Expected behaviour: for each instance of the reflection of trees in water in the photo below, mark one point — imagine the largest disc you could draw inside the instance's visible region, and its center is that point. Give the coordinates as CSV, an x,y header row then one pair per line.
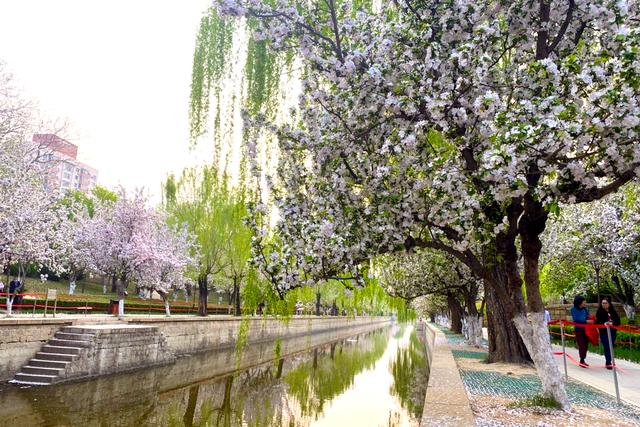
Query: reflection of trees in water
x,y
315,382
410,375
286,393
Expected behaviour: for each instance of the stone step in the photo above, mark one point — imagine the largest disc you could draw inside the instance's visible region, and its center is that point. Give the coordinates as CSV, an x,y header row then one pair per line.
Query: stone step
x,y
48,363
39,370
76,337
26,383
68,343
58,357
32,378
77,330
60,349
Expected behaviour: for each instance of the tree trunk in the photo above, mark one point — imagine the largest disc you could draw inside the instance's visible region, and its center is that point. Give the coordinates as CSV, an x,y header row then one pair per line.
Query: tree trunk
x,y
630,312
114,284
203,293
236,298
473,334
317,303
505,343
121,288
456,312
165,299
534,331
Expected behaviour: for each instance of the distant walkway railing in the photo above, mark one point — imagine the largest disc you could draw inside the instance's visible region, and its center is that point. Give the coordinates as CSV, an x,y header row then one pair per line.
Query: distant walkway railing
x,y
35,302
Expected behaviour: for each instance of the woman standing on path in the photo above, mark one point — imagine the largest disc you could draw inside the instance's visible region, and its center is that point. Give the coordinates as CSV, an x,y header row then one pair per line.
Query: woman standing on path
x,y
580,313
606,314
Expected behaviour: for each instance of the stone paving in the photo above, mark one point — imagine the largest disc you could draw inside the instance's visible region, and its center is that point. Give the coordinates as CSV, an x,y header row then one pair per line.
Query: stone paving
x,y
484,382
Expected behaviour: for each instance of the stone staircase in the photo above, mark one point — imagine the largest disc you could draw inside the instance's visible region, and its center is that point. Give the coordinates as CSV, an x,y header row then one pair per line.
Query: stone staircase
x,y
50,363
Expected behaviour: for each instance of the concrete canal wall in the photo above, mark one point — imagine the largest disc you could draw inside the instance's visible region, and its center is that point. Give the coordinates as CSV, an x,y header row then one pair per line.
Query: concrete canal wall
x,y
446,402
21,339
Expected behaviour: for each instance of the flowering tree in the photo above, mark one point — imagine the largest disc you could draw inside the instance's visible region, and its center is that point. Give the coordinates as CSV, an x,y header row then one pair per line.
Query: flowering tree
x,y
451,125
606,235
27,214
162,257
428,272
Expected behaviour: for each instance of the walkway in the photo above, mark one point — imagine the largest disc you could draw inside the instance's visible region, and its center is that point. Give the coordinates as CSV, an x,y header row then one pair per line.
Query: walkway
x,y
497,390
602,379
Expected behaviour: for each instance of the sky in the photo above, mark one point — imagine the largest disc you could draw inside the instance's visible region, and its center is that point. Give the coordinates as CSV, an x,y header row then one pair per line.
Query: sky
x,y
118,72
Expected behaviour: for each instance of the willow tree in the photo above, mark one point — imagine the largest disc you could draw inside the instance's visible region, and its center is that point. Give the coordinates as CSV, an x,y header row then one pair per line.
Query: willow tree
x,y
198,200
451,125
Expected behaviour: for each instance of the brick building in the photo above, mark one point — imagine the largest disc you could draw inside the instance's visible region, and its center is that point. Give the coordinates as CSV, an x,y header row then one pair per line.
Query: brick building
x,y
65,173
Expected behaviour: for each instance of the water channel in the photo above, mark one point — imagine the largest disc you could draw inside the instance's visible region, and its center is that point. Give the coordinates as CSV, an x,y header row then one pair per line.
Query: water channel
x,y
373,379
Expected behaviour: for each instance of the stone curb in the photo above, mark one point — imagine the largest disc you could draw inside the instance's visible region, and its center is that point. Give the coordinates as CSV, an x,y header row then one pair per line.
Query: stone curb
x,y
446,402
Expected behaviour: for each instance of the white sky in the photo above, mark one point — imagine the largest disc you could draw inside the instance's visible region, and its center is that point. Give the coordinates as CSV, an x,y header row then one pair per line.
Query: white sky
x,y
118,72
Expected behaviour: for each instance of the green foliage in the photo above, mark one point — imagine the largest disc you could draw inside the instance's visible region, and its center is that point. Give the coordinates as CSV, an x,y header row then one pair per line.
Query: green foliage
x,y
104,195
78,197
539,401
241,340
563,276
213,45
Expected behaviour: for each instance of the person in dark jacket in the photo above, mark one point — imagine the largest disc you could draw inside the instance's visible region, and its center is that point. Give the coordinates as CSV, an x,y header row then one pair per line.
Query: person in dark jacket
x,y
580,314
607,315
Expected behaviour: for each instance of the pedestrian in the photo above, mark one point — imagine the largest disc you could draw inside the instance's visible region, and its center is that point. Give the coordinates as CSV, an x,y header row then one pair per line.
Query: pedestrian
x,y
607,315
1,286
580,314
547,316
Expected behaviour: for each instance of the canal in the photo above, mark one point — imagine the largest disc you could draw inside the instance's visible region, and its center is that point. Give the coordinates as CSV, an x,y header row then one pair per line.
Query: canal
x,y
373,379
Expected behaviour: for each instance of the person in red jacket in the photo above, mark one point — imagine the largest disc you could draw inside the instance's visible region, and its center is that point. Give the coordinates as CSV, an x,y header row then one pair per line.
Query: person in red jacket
x,y
607,315
580,314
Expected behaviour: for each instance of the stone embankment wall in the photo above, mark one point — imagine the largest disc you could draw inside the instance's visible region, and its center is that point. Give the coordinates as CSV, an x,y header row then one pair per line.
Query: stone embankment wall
x,y
193,335
118,348
446,403
20,339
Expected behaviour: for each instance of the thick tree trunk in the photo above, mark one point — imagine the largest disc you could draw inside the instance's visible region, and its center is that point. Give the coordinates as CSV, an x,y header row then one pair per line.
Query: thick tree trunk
x,y
114,284
456,312
505,343
203,293
534,330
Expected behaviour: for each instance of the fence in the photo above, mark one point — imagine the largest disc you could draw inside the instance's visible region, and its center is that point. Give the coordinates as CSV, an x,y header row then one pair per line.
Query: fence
x,y
35,302
630,332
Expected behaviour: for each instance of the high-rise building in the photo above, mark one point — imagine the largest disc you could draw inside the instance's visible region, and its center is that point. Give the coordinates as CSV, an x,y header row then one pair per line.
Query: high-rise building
x,y
64,172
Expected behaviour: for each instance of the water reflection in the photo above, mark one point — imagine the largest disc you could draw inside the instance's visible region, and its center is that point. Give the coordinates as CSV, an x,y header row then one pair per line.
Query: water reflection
x,y
378,378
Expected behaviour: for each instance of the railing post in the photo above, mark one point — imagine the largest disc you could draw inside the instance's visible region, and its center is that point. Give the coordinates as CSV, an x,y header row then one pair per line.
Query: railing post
x,y
34,307
613,362
564,351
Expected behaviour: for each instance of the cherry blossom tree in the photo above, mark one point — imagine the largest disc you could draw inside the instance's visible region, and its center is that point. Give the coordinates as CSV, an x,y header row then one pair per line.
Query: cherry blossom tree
x,y
27,215
162,258
449,125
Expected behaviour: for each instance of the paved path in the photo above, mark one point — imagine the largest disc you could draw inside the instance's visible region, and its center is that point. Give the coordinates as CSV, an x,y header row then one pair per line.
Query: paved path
x,y
602,379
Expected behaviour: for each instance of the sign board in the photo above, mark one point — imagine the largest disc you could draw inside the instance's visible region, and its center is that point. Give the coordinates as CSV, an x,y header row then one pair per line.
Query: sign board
x,y
52,294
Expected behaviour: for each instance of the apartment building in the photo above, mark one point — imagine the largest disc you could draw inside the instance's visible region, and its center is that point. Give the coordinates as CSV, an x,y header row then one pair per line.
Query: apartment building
x,y
64,172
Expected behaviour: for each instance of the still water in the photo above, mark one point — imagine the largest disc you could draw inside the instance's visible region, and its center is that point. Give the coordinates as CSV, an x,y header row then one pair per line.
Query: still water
x,y
374,379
